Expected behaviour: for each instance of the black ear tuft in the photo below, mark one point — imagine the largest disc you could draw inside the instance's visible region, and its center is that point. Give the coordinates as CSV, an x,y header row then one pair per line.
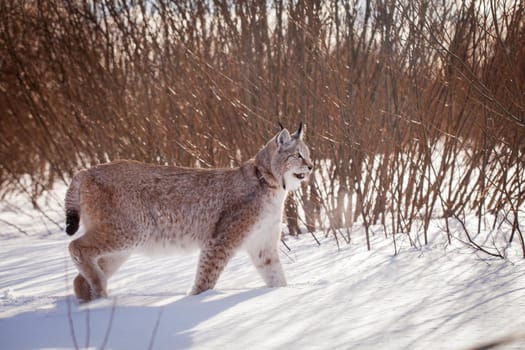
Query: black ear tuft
x,y
298,135
280,125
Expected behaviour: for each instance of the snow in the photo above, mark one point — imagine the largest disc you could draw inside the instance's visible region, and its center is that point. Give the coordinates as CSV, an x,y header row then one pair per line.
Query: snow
x,y
439,296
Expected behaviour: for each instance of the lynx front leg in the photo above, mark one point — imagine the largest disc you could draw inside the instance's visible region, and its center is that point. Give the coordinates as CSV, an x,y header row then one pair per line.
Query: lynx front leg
x,y
267,262
212,260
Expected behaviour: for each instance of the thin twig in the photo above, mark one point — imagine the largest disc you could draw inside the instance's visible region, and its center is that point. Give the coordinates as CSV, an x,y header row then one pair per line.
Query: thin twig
x,y
68,306
474,244
155,329
18,228
110,324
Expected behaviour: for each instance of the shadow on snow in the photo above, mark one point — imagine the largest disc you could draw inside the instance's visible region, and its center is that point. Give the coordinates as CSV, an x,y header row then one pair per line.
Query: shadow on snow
x,y
111,325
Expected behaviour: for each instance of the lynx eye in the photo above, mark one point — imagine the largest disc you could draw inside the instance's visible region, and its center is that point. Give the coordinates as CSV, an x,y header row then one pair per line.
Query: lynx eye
x,y
295,155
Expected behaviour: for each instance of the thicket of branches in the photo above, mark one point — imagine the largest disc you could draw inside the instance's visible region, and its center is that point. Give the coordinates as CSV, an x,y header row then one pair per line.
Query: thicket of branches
x,y
414,108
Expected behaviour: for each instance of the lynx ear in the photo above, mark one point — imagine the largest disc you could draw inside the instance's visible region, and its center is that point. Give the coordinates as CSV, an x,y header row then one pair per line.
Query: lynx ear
x,y
283,137
298,135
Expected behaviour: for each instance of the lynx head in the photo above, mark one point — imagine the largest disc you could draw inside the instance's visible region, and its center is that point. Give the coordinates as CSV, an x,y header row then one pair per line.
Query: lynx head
x,y
287,158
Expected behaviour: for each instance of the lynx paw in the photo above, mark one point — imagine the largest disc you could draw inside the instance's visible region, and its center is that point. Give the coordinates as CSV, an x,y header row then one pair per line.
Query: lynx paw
x,y
84,292
82,288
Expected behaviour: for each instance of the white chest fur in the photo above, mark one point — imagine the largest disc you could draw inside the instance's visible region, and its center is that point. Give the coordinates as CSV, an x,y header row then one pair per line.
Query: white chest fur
x,y
266,230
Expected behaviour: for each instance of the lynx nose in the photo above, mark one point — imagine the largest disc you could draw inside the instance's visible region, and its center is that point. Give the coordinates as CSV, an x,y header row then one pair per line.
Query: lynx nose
x,y
310,165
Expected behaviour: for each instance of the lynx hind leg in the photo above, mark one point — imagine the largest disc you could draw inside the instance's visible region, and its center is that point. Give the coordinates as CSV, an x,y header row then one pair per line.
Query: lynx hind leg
x,y
268,264
212,261
109,265
85,256
96,264
112,262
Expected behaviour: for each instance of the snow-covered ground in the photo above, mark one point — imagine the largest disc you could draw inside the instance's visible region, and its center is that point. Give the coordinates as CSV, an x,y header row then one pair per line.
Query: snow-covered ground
x,y
438,297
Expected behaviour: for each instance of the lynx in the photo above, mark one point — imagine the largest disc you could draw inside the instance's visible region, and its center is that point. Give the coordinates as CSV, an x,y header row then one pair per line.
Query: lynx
x,y
128,206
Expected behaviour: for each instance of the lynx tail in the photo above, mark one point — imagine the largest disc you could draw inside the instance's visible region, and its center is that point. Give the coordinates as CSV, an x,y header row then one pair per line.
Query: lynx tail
x,y
73,205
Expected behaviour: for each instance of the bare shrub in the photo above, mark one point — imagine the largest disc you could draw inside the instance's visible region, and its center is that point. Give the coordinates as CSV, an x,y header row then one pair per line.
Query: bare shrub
x,y
415,108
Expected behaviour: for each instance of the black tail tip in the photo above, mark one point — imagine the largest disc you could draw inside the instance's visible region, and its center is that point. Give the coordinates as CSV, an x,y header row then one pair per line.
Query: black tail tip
x,y
72,220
